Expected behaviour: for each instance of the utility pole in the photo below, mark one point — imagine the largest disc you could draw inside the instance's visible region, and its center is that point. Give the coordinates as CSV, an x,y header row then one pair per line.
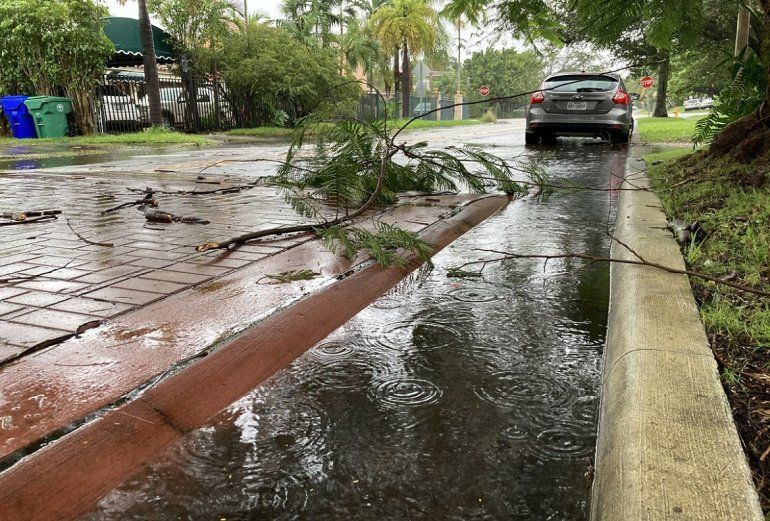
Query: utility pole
x,y
458,95
458,55
742,31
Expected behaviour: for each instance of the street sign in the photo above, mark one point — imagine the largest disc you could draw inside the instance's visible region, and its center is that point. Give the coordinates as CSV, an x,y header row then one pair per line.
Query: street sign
x,y
422,88
484,90
647,82
421,71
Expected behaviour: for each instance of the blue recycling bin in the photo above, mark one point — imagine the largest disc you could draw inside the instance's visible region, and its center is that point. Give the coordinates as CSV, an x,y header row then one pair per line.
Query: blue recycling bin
x,y
22,124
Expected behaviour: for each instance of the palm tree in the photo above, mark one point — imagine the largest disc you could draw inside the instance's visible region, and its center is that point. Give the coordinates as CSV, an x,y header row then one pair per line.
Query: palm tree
x,y
311,21
408,25
358,47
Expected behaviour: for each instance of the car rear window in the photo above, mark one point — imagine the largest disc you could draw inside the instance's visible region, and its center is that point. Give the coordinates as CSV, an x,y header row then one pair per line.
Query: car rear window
x,y
577,83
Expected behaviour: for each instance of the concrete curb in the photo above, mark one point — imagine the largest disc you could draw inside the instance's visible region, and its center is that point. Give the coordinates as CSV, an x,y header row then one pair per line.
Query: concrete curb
x,y
668,448
66,478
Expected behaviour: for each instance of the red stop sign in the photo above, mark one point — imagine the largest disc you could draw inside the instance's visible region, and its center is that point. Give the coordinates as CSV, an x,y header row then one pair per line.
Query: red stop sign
x,y
484,90
647,82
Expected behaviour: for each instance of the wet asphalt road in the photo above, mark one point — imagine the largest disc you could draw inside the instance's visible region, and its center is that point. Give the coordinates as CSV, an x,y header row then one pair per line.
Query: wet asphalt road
x,y
445,399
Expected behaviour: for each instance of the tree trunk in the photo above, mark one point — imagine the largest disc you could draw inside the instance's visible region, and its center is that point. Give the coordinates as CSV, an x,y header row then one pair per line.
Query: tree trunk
x,y
152,85
406,76
660,99
396,74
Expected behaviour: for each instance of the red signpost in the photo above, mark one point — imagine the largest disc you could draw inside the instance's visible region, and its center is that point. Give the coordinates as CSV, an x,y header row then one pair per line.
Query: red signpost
x,y
646,82
484,90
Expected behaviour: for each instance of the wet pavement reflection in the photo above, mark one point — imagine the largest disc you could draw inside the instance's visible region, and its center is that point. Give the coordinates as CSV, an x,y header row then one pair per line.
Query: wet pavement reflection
x,y
445,399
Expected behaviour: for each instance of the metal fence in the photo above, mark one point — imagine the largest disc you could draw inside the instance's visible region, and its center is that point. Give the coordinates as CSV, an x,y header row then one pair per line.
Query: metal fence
x,y
121,105
370,107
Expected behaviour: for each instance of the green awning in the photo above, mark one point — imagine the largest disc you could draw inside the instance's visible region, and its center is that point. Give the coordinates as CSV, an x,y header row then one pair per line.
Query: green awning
x,y
124,34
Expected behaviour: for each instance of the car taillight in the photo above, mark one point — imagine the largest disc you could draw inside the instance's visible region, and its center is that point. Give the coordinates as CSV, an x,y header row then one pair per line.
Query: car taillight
x,y
621,97
537,97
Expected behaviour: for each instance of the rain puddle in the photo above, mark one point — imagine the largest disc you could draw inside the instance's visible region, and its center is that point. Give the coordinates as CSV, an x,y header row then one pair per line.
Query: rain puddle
x,y
445,399
24,157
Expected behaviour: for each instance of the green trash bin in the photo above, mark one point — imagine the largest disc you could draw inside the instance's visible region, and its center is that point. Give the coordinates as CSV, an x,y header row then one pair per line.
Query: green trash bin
x,y
49,114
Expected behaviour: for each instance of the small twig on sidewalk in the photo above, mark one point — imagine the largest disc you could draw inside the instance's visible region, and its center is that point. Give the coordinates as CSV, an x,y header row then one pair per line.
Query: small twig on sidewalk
x,y
149,200
30,221
22,216
105,244
596,258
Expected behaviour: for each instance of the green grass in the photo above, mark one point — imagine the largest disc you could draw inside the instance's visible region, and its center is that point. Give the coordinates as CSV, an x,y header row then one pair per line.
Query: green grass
x,y
262,132
653,159
394,123
427,123
666,130
732,203
155,136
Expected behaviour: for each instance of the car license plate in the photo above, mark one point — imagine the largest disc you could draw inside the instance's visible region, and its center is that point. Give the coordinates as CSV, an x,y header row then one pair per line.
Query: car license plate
x,y
577,105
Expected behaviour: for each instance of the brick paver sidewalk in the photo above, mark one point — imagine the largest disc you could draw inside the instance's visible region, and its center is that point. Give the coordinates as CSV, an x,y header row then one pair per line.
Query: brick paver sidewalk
x,y
147,262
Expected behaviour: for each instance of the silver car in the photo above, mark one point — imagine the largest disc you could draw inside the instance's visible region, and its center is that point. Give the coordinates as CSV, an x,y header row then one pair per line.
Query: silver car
x,y
580,104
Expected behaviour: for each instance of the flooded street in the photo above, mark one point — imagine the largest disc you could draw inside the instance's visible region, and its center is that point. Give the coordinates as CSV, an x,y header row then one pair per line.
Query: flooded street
x,y
448,398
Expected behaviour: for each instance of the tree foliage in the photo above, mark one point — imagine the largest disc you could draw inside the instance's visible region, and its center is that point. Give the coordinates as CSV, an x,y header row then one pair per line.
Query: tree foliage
x,y
411,26
529,19
284,80
198,28
742,96
52,48
410,22
505,72
312,21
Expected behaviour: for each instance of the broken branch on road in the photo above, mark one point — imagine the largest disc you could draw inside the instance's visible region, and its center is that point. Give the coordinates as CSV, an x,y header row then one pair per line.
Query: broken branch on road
x,y
505,255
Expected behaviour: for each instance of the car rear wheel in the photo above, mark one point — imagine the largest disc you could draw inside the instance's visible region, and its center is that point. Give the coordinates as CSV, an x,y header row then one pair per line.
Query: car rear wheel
x,y
620,138
549,138
531,138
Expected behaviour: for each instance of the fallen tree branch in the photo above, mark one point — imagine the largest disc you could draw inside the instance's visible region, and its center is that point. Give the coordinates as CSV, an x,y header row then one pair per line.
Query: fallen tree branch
x,y
105,244
240,239
218,191
596,258
315,226
160,216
